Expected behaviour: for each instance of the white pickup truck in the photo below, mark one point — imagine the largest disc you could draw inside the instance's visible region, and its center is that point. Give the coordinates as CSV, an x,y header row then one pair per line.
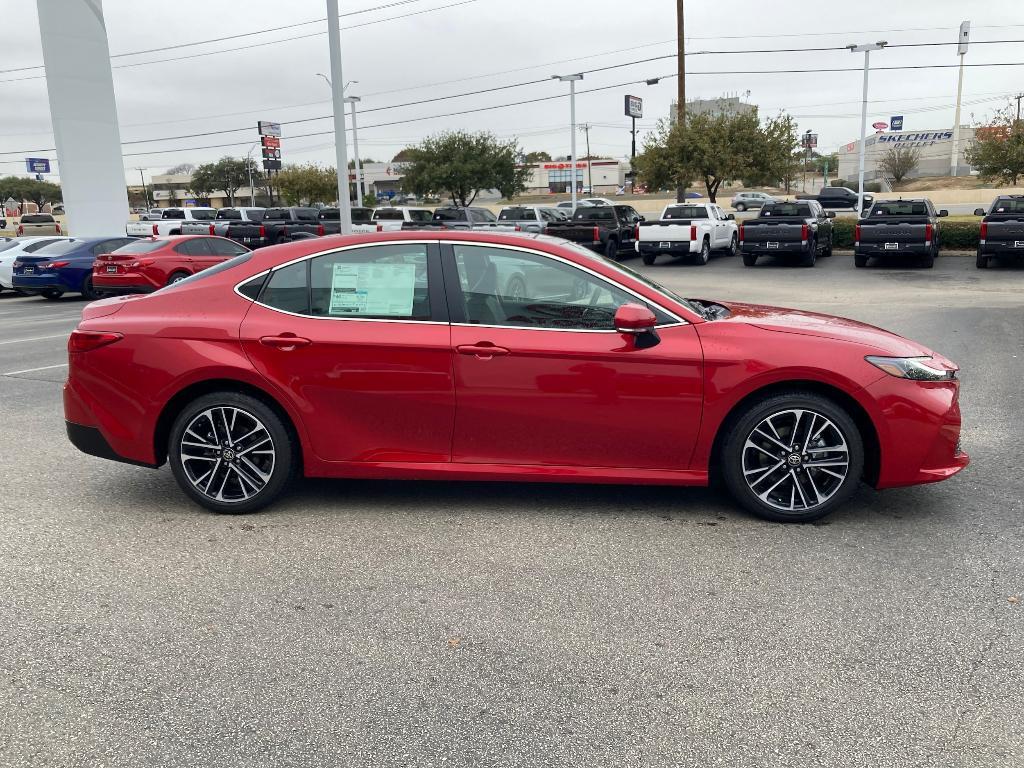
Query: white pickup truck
x,y
393,218
686,229
219,225
170,223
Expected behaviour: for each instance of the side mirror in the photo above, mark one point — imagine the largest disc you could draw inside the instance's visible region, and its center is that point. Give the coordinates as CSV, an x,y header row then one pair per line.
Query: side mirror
x,y
979,211
830,214
731,217
634,319
641,218
943,212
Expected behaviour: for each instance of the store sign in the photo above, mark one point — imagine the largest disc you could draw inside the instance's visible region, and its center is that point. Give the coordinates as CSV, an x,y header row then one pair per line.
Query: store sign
x,y
809,140
634,107
896,123
925,139
273,142
879,126
37,165
561,166
266,128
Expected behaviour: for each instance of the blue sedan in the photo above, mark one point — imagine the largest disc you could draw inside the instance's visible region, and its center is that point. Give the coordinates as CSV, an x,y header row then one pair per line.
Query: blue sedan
x,y
64,266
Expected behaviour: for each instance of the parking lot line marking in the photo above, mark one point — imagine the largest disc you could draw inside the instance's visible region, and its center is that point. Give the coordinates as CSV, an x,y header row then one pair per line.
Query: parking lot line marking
x,y
48,320
33,370
34,338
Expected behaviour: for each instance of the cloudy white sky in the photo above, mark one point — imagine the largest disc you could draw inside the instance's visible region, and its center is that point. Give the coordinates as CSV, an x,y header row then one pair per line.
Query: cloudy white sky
x,y
451,47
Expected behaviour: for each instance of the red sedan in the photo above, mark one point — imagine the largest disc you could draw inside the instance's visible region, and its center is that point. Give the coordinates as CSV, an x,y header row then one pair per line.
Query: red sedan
x,y
151,263
407,355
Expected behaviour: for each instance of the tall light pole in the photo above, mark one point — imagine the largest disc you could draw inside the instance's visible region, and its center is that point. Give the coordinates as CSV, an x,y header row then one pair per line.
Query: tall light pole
x,y
340,140
571,79
590,170
360,183
866,49
961,50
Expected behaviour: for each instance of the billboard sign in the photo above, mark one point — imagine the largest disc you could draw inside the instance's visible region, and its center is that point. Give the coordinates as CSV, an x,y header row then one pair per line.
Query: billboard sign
x,y
879,126
266,128
270,153
896,123
634,107
809,140
37,165
273,142
272,165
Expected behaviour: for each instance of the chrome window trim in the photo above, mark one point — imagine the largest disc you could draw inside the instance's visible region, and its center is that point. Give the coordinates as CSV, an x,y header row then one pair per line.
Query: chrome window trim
x,y
678,320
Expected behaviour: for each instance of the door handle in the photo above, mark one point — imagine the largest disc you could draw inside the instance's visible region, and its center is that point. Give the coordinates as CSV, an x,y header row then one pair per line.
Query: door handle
x,y
285,342
483,351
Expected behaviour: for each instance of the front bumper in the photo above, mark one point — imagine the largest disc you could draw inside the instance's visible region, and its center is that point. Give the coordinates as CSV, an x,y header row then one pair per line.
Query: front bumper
x,y
674,247
919,431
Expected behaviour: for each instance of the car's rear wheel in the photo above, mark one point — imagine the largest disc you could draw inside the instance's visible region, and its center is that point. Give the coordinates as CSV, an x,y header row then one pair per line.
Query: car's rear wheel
x,y
52,294
649,258
740,207
808,259
928,260
516,289
231,453
88,291
792,457
734,246
611,249
829,245
177,277
981,262
749,259
704,256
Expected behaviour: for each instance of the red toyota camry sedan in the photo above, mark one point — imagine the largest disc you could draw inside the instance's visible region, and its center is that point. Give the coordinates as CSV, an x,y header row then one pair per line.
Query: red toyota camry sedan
x,y
465,355
148,264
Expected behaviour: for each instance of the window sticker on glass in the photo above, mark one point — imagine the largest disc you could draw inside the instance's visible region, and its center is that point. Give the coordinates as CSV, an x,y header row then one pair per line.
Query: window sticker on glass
x,y
373,289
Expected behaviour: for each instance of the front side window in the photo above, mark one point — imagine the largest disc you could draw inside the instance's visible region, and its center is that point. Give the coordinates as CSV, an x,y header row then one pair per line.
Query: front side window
x,y
525,290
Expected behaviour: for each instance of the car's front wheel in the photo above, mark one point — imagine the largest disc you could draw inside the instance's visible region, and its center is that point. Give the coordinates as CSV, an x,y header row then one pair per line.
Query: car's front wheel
x,y
792,457
734,246
740,207
231,453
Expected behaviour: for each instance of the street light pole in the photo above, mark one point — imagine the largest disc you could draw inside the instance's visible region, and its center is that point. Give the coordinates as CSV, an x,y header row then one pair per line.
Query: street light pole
x,y
360,183
571,79
965,36
866,50
340,141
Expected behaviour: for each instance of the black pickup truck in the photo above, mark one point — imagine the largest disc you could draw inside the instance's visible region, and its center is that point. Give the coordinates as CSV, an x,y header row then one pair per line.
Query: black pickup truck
x,y
274,228
799,228
606,229
838,197
1002,230
898,227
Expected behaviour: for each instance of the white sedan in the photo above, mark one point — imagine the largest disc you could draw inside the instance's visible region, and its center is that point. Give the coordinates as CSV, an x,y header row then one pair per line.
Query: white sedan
x,y
11,250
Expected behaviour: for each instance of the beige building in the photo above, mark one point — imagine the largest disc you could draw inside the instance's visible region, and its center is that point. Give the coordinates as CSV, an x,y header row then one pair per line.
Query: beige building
x,y
934,148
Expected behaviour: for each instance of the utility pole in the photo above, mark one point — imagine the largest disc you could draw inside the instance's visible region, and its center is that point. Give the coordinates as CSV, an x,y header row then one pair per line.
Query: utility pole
x,y
681,85
340,140
866,50
585,127
961,50
145,191
1018,97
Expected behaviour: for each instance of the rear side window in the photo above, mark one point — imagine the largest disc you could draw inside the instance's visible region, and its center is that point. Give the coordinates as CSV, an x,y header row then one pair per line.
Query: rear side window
x,y
380,282
288,288
193,247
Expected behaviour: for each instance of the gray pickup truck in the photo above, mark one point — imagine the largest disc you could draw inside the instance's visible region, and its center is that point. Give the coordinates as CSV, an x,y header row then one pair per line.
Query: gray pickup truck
x,y
798,228
898,228
1002,230
220,223
531,218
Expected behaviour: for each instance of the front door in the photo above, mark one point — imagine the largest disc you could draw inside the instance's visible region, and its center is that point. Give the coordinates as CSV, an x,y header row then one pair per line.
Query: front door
x,y
358,339
542,377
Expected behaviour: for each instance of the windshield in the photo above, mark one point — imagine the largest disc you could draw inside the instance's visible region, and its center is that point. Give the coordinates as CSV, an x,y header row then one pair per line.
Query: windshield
x,y
58,247
900,208
141,246
513,214
594,213
449,214
686,212
1009,205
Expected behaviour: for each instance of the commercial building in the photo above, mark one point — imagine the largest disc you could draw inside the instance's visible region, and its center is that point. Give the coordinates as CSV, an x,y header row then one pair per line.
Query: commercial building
x,y
934,147
723,105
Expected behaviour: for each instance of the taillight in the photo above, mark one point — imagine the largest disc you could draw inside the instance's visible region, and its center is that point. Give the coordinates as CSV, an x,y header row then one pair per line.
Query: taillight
x,y
211,229
636,232
263,231
517,228
320,230
139,263
54,265
21,230
380,227
984,230
58,228
86,341
856,233
741,233
928,233
693,232
156,230
597,234
804,231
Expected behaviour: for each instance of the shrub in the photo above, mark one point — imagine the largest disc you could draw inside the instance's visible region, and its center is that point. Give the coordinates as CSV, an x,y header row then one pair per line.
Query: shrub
x,y
956,235
837,183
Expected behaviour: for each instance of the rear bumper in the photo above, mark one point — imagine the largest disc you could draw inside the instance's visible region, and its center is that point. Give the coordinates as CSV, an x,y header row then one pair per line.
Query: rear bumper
x,y
675,247
762,249
121,289
879,249
46,282
90,440
1001,248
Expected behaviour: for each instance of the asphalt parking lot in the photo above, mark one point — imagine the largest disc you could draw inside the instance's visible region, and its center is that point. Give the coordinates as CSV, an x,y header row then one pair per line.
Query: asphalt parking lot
x,y
431,624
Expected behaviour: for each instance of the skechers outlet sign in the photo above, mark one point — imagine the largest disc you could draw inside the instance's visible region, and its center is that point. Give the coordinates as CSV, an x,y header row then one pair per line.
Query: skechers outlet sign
x,y
926,139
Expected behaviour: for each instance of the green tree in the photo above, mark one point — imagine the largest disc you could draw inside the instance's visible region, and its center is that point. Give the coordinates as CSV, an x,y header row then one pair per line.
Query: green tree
x,y
461,165
306,184
21,189
718,148
997,151
404,156
538,157
227,175
899,161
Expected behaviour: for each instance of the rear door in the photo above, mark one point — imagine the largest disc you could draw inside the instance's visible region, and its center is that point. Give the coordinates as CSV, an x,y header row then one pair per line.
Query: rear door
x,y
358,339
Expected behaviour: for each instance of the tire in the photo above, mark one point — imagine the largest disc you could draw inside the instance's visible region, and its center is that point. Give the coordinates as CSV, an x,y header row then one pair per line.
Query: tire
x,y
52,294
177,277
981,262
515,288
734,246
740,207
88,292
174,232
753,459
808,259
611,249
928,261
860,261
749,259
704,256
829,245
649,258
243,484
281,240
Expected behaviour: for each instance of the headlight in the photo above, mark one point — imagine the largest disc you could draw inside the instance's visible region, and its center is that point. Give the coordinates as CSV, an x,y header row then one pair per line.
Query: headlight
x,y
916,368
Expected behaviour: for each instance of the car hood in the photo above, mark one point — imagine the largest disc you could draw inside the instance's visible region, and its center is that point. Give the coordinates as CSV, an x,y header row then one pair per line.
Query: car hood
x,y
798,322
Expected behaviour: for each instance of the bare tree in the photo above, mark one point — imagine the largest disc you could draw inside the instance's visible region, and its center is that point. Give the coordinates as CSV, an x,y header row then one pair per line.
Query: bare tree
x,y
900,161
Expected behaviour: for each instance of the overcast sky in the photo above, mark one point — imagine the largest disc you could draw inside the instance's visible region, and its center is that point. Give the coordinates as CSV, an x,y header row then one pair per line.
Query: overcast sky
x,y
398,58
